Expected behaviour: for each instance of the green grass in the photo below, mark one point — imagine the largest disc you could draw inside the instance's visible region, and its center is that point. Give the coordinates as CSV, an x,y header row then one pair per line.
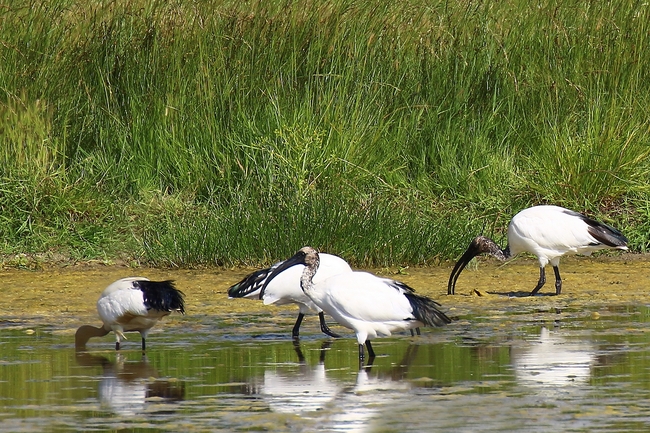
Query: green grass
x,y
186,133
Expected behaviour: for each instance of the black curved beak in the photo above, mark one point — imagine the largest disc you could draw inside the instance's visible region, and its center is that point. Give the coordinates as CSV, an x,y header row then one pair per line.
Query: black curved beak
x,y
472,251
296,259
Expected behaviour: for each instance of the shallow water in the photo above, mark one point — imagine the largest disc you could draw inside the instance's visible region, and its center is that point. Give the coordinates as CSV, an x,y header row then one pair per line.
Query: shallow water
x,y
579,362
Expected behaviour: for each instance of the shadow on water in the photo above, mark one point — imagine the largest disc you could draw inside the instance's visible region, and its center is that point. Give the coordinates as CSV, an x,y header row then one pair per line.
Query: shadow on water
x,y
512,294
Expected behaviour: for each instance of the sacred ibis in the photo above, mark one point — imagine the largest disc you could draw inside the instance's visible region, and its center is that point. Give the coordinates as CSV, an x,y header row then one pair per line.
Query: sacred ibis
x,y
363,302
285,288
132,304
549,232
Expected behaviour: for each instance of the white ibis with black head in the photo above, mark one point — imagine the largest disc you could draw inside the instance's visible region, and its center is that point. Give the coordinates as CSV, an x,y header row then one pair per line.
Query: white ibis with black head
x,y
132,304
549,232
285,288
363,302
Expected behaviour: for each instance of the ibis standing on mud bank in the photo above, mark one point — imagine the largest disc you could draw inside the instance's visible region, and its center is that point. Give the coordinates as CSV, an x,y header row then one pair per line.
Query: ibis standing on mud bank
x,y
285,288
132,304
549,232
363,302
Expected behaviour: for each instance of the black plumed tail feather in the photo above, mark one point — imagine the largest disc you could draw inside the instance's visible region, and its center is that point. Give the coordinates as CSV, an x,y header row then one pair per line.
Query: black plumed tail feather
x,y
162,295
606,234
252,283
249,284
426,310
603,233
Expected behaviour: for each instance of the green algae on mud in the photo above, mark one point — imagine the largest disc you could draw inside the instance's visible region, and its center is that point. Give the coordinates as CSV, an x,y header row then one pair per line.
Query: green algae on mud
x,y
69,293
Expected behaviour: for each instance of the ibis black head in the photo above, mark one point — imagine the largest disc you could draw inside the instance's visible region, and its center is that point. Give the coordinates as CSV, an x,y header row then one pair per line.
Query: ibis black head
x,y
479,245
306,256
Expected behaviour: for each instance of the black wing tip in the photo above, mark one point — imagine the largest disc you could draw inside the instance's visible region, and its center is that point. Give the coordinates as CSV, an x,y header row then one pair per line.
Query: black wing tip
x,y
404,286
237,290
597,225
249,284
607,237
605,233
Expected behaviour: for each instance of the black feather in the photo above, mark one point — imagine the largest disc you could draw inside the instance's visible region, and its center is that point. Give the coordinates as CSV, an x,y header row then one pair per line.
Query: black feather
x,y
403,288
251,282
161,295
603,233
426,310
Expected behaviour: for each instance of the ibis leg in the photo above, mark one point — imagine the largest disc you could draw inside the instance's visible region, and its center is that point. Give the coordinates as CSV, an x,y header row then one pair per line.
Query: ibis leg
x,y
371,353
144,344
119,335
295,332
540,283
325,328
558,280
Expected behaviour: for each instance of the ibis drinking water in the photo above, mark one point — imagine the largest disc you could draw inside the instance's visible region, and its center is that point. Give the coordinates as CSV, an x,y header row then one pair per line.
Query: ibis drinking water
x,y
285,288
132,304
363,302
548,232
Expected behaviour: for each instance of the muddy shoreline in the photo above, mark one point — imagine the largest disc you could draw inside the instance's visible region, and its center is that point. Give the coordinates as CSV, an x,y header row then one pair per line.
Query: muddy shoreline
x,y
67,294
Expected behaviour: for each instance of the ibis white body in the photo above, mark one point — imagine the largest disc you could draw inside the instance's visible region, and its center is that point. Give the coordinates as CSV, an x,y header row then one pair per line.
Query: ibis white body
x,y
370,305
363,302
132,304
285,287
548,232
121,307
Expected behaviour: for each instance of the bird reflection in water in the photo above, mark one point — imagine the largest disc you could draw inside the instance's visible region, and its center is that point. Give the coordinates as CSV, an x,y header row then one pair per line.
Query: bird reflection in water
x,y
298,391
374,390
553,364
333,404
128,388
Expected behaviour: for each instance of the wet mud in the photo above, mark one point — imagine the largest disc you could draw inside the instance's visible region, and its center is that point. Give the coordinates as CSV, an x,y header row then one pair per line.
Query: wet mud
x,y
70,293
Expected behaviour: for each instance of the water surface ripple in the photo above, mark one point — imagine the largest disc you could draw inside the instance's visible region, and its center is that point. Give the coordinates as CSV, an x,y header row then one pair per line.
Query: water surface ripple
x,y
579,362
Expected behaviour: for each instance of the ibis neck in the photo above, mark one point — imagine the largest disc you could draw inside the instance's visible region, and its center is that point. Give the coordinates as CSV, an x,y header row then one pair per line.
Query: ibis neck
x,y
85,333
307,278
504,254
483,244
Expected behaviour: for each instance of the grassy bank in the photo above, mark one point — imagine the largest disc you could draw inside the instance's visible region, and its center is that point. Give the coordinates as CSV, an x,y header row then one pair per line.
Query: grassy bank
x,y
183,133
